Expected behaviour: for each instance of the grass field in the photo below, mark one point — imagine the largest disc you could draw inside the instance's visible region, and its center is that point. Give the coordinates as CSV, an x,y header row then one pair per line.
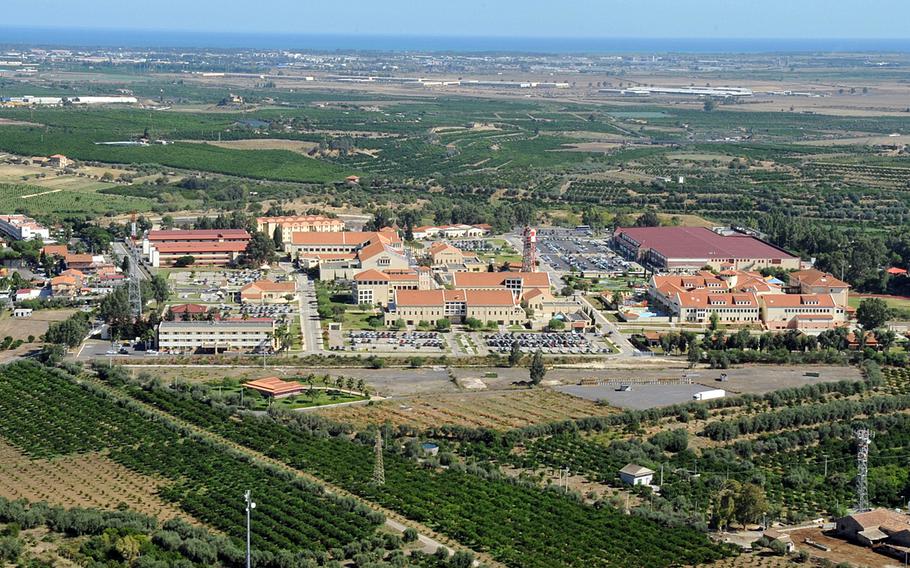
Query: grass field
x,y
894,302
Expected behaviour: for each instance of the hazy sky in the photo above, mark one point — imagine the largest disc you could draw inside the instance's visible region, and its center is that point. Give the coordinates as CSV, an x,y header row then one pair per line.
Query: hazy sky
x,y
527,18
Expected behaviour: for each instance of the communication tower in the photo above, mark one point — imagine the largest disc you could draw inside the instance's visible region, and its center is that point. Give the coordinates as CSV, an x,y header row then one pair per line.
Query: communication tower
x,y
529,256
378,467
862,468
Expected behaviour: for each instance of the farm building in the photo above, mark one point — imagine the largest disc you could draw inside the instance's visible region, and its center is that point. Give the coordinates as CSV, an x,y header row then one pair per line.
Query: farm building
x,y
634,474
781,537
876,527
274,387
22,313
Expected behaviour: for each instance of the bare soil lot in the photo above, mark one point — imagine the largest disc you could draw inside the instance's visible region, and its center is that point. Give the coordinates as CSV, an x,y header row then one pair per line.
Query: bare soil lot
x,y
89,480
751,379
504,409
842,551
298,146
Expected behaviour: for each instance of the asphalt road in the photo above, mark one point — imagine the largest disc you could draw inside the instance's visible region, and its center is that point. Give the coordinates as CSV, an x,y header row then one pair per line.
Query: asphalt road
x,y
309,319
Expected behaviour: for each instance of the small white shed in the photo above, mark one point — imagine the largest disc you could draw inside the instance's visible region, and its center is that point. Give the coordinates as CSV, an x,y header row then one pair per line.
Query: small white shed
x,y
634,474
22,313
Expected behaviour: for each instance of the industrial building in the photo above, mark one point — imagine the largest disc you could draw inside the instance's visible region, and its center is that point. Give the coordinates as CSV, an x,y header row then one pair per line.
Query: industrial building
x,y
248,335
686,249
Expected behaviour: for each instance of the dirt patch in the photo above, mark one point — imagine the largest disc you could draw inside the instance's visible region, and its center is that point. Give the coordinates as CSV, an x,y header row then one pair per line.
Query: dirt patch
x,y
499,409
11,122
88,480
841,550
296,146
590,147
22,328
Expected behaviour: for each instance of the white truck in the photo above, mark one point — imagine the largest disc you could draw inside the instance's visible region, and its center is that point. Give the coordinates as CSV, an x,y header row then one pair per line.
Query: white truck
x,y
709,394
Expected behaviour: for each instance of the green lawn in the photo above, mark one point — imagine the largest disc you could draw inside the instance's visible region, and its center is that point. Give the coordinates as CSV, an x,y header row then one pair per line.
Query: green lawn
x,y
894,302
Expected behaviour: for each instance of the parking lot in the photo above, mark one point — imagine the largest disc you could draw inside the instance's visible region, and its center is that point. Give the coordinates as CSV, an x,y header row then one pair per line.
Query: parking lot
x,y
562,343
430,341
566,250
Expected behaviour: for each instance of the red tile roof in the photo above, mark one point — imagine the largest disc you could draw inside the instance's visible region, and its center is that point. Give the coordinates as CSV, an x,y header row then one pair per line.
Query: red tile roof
x,y
799,301
813,277
200,247
274,386
700,243
489,279
198,235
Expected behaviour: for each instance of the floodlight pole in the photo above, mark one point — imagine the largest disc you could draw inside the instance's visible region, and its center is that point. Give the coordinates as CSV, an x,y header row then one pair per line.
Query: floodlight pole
x,y
249,507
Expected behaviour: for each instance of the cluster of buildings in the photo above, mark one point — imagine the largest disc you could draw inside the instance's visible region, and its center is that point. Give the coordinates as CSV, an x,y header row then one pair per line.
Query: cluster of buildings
x,y
342,255
30,100
209,247
23,228
459,231
811,301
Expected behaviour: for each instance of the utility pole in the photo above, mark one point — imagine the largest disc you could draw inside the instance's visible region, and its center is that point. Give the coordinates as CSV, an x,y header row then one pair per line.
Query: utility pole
x,y
862,468
249,507
378,467
661,475
826,466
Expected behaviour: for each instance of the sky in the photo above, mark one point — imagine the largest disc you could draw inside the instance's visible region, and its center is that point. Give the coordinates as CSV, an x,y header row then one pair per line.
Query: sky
x,y
806,19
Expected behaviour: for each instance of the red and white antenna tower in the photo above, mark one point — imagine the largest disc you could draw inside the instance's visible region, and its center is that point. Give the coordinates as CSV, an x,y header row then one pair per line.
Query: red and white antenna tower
x,y
529,257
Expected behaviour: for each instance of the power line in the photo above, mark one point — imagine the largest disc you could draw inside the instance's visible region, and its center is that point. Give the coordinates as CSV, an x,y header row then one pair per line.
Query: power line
x,y
862,469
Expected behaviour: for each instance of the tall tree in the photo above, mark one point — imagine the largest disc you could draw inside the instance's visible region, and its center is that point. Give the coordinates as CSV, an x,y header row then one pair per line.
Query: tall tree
x,y
872,313
537,370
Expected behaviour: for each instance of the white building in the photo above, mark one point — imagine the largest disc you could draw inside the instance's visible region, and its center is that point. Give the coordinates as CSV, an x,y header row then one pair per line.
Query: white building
x,y
23,228
218,335
634,474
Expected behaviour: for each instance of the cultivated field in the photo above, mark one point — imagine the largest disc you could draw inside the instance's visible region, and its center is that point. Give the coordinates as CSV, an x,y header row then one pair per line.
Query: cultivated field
x,y
501,410
81,480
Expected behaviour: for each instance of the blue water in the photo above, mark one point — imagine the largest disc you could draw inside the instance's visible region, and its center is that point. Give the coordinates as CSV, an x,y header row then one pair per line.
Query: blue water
x,y
172,39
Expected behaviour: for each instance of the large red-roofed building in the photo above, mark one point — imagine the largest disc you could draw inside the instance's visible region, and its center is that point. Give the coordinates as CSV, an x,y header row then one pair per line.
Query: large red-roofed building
x,y
211,247
681,249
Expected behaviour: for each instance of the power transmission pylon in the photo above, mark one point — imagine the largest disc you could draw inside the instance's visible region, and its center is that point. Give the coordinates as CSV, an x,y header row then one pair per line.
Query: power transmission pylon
x,y
135,290
862,468
378,467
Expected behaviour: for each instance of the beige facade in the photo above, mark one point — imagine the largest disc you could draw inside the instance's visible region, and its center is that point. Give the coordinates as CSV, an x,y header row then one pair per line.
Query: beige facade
x,y
268,292
218,335
298,224
739,308
817,282
444,254
378,288
488,306
805,312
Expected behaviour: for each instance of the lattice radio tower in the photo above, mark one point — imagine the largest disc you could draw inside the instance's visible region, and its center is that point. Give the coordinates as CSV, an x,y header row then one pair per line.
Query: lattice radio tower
x,y
135,290
862,468
529,256
378,467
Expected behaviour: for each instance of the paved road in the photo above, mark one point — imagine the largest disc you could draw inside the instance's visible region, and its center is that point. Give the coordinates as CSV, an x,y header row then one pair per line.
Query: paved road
x,y
626,349
309,319
120,249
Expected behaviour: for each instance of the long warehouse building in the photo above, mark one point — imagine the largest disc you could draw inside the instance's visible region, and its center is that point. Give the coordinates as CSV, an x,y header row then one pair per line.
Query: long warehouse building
x,y
685,249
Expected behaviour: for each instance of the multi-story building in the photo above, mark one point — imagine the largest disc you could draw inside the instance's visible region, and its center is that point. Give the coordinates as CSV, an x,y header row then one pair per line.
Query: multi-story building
x,y
376,287
212,247
343,255
298,224
217,335
23,228
687,249
520,284
663,288
443,254
268,292
732,308
805,312
488,306
817,282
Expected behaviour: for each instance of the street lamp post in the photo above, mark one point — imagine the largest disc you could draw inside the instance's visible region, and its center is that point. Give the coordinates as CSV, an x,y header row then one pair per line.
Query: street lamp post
x,y
249,507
